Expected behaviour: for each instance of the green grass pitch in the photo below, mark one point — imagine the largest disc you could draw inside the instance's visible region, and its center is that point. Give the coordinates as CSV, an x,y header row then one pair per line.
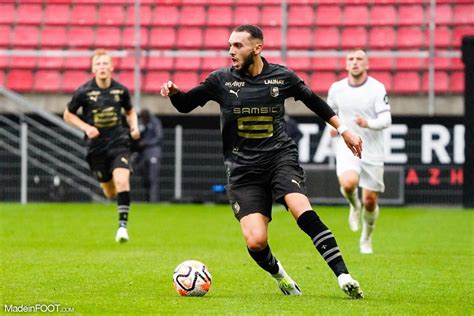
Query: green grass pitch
x,y
66,254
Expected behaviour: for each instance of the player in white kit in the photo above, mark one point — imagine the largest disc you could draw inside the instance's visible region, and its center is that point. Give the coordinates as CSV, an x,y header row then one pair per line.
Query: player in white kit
x,y
362,105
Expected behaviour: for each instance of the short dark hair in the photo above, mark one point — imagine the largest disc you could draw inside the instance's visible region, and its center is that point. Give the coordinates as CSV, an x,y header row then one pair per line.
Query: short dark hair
x,y
253,30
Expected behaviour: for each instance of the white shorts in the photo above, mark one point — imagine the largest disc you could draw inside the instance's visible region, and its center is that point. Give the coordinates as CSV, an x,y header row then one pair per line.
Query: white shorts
x,y
370,172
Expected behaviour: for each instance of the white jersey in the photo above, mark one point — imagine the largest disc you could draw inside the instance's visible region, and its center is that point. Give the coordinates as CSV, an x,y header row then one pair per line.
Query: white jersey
x,y
367,100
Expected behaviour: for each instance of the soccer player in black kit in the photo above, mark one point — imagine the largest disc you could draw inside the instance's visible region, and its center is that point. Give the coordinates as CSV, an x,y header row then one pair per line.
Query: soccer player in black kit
x,y
261,161
102,100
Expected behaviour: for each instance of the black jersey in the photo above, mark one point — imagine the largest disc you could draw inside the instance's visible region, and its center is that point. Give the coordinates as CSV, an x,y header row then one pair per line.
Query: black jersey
x,y
252,111
102,108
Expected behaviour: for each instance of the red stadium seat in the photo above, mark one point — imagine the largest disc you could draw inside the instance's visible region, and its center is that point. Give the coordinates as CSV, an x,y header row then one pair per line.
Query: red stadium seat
x,y
165,15
384,77
411,15
459,33
457,64
271,16
108,37
464,14
326,38
192,16
23,62
247,14
84,14
272,37
145,15
444,14
213,63
382,38
383,15
354,37
154,80
186,79
47,62
321,81
28,13
299,38
189,37
5,39
325,63
128,63
442,37
8,14
381,63
4,61
410,63
187,63
20,80
111,15
25,36
47,81
442,63
128,37
328,15
127,78
441,82
406,82
216,38
53,37
81,36
220,16
355,15
78,63
160,63
163,37
298,63
57,14
456,83
410,37
300,15
72,79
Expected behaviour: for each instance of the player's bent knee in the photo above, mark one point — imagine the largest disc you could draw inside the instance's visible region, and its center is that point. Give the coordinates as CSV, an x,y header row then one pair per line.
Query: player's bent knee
x,y
255,243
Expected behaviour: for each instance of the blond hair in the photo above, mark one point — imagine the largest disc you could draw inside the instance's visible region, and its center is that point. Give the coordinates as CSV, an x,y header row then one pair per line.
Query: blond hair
x,y
101,52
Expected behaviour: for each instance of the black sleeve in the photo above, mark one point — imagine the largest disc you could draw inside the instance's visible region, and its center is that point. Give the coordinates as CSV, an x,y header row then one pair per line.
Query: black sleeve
x,y
185,102
127,102
75,102
312,101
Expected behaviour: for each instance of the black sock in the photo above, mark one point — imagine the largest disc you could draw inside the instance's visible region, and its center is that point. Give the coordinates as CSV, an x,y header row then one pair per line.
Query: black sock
x,y
265,259
323,240
123,205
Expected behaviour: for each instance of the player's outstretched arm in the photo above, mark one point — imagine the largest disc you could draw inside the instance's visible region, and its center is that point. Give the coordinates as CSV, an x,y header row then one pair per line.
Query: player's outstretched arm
x,y
73,119
352,140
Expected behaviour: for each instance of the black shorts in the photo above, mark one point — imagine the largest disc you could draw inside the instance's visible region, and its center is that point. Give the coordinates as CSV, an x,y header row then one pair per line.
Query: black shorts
x,y
102,165
252,190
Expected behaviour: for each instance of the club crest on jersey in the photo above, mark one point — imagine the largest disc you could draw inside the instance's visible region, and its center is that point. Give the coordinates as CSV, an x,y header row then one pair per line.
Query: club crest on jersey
x,y
93,95
116,94
274,91
236,208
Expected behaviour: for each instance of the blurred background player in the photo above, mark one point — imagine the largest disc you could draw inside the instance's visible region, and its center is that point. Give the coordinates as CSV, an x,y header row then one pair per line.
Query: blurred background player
x,y
148,161
362,104
261,160
108,140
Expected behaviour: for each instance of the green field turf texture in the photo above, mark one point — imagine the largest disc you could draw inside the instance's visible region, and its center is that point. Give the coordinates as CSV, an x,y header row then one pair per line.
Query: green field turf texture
x,y
66,254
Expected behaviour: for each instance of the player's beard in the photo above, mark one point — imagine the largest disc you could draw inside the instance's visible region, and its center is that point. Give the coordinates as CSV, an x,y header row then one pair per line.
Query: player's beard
x,y
248,61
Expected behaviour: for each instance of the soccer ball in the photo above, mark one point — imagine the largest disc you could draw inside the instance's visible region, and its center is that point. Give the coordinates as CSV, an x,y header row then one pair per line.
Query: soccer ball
x,y
192,278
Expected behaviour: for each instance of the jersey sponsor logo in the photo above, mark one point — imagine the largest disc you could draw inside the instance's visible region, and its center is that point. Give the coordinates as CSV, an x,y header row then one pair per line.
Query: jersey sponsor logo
x,y
235,92
116,93
236,208
93,95
106,117
235,84
274,91
255,126
297,182
256,110
274,81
